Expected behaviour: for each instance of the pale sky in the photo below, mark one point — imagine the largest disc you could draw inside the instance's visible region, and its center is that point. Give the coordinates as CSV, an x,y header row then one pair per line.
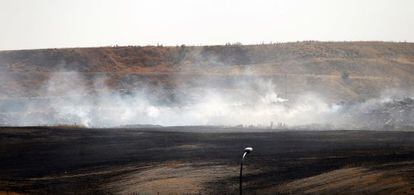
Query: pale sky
x,y
27,24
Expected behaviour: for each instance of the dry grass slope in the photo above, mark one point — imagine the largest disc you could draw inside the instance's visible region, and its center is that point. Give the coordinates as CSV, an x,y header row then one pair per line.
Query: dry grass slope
x,y
370,67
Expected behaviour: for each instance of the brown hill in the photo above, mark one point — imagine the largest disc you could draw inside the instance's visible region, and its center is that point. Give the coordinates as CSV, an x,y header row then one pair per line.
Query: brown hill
x,y
339,70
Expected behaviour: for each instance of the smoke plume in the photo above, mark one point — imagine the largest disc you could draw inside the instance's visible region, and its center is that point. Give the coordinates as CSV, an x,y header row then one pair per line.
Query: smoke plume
x,y
70,99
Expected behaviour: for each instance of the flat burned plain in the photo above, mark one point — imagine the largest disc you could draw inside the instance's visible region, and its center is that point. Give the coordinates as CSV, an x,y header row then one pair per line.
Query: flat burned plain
x,y
183,160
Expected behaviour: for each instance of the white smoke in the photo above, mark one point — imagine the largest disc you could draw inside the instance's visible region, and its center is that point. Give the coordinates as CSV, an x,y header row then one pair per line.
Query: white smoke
x,y
70,99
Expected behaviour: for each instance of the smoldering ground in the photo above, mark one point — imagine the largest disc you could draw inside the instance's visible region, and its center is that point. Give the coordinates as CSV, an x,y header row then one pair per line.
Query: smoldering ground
x,y
69,98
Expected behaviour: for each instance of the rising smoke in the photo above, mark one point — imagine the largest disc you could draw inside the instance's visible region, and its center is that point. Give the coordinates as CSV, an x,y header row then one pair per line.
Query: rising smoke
x,y
70,99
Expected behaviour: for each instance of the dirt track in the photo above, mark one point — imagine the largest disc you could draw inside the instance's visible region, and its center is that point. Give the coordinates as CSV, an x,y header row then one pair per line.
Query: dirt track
x,y
176,160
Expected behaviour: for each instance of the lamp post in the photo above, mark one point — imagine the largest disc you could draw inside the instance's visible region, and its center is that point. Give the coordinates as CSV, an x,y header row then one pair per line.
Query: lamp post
x,y
246,151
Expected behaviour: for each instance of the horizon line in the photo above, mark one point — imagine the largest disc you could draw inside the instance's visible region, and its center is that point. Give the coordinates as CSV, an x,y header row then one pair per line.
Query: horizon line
x,y
204,45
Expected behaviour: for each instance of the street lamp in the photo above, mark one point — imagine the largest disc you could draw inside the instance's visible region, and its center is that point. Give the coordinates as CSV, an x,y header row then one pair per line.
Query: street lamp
x,y
246,151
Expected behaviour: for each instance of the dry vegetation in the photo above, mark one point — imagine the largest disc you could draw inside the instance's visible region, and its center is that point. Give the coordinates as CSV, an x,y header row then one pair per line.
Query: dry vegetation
x,y
371,67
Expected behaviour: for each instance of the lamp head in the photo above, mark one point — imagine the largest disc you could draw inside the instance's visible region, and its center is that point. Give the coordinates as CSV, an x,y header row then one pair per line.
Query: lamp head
x,y
248,149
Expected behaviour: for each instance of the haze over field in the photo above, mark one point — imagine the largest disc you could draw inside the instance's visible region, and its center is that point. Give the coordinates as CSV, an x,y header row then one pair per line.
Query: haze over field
x,y
349,85
366,82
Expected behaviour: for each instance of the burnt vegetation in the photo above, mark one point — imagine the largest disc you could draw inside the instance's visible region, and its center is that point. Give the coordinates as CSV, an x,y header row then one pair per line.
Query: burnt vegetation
x,y
77,160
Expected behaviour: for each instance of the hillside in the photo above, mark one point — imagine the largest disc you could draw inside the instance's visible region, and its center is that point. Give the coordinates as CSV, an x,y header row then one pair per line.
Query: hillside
x,y
338,70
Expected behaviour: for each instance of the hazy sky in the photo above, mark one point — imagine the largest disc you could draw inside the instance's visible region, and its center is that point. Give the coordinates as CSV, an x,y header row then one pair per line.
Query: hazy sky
x,y
81,23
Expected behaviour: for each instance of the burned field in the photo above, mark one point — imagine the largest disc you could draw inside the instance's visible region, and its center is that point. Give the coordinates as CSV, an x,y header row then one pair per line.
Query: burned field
x,y
204,160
